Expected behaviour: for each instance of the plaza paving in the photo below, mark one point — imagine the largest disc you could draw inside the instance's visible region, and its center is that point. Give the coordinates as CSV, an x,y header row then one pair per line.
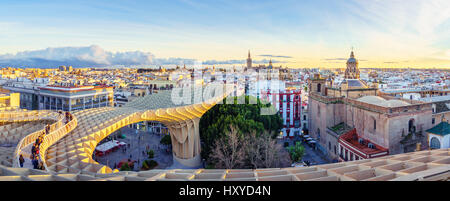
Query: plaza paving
x,y
138,142
314,156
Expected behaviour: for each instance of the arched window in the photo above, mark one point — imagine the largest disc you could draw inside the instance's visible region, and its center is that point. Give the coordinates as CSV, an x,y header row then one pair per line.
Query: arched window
x,y
319,86
434,143
411,127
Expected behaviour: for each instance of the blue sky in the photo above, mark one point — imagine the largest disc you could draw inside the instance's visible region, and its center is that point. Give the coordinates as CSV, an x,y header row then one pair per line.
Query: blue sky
x,y
311,33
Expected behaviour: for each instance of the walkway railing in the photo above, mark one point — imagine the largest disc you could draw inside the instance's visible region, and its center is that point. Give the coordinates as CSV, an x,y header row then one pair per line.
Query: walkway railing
x,y
17,116
31,138
54,136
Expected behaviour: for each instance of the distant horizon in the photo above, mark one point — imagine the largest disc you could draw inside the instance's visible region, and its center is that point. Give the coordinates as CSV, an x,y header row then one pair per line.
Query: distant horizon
x,y
95,57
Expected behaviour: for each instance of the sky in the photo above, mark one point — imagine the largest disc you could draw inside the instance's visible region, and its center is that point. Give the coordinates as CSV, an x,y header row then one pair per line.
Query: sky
x,y
293,33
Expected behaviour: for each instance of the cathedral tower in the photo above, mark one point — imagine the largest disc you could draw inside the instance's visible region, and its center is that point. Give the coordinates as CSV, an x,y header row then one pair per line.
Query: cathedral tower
x,y
249,60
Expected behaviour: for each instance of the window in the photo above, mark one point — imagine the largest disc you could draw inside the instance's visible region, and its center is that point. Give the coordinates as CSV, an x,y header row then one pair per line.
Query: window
x,y
329,145
433,120
411,127
318,87
304,117
374,124
335,152
434,143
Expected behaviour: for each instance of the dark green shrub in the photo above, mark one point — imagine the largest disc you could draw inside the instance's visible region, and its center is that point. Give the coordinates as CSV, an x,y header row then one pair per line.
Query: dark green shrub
x,y
125,167
152,164
166,140
151,153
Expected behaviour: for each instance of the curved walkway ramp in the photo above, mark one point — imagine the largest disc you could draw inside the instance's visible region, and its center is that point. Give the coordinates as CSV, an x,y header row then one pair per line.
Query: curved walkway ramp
x,y
19,121
416,166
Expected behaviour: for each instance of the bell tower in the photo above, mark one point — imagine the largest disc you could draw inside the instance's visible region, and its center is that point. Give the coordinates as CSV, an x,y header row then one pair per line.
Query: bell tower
x,y
249,60
352,71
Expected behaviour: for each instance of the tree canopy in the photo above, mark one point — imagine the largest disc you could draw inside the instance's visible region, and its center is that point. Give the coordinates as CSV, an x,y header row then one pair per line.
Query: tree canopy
x,y
215,123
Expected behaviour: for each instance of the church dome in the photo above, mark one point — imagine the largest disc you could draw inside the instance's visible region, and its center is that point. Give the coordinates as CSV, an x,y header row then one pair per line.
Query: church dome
x,y
352,71
351,60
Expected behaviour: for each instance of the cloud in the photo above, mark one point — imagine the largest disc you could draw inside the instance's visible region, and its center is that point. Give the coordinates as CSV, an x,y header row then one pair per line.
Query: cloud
x,y
93,56
335,59
270,55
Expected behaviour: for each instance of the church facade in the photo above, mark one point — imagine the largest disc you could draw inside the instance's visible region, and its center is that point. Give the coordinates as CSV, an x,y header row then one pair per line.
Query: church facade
x,y
351,120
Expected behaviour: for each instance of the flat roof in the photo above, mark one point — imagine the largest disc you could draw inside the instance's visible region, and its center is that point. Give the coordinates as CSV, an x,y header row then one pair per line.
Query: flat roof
x,y
435,98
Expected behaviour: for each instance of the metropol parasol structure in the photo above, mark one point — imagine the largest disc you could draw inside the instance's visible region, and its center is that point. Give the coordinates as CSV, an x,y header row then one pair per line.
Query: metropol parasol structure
x,y
67,150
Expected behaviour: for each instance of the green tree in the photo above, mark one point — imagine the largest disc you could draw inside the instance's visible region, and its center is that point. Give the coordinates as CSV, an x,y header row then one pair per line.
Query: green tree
x,y
149,164
125,167
166,140
215,123
296,152
151,153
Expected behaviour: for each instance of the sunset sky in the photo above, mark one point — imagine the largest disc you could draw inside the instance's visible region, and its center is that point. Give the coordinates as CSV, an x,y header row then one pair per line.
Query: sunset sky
x,y
307,33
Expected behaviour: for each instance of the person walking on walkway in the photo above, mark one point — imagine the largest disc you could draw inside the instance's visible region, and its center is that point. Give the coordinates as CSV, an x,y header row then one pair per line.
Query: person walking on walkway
x,y
35,162
21,160
47,129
